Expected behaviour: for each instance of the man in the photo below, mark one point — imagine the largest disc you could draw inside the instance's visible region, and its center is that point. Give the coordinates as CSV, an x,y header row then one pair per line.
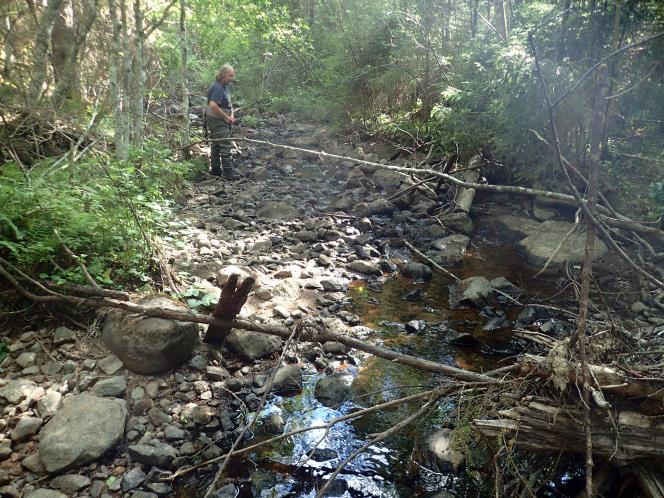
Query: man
x,y
219,116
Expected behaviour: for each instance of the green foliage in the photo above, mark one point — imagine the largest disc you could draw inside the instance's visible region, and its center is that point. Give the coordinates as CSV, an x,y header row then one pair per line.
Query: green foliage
x,y
106,212
656,195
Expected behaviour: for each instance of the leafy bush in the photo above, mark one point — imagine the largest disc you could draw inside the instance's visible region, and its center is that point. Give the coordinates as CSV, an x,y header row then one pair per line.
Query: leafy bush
x,y
106,212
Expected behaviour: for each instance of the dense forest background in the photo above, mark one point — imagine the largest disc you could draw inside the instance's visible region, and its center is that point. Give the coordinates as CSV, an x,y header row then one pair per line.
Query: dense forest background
x,y
86,85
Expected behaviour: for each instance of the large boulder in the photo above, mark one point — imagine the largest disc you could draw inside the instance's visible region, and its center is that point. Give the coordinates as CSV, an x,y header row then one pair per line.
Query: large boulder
x,y
332,390
148,345
252,345
81,432
540,245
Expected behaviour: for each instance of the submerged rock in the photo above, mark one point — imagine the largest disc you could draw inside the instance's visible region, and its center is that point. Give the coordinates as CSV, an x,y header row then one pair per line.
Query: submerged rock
x,y
333,390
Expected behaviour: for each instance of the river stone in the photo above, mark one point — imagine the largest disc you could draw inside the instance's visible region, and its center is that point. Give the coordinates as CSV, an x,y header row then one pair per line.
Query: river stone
x,y
33,464
111,388
45,493
274,424
110,364
332,390
388,180
132,479
459,222
149,345
449,251
82,431
364,267
417,271
18,390
252,345
159,454
539,246
63,335
438,454
514,225
276,210
227,491
287,289
472,290
70,483
288,378
26,360
381,206
25,428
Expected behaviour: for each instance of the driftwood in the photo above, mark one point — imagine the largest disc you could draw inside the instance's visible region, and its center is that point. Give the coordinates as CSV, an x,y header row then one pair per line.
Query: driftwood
x,y
608,379
540,425
229,305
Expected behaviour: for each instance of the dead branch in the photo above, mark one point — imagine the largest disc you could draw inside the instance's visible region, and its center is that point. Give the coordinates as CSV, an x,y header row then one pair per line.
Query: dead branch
x,y
312,335
230,303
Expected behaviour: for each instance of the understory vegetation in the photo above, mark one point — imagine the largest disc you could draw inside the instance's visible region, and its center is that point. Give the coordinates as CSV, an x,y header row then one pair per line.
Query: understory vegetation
x,y
442,79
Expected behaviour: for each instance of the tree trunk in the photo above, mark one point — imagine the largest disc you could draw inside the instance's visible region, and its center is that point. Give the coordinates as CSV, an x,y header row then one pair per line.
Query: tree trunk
x,y
502,19
124,80
71,42
183,77
40,54
138,80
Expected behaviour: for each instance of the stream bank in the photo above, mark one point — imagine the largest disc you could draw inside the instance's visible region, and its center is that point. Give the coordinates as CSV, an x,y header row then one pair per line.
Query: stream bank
x,y
320,240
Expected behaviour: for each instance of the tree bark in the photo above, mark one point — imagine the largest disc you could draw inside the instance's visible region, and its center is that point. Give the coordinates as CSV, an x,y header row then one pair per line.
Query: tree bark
x,y
40,53
137,86
183,78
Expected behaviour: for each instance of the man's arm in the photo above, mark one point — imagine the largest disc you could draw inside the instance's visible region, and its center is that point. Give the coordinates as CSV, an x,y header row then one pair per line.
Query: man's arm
x,y
218,111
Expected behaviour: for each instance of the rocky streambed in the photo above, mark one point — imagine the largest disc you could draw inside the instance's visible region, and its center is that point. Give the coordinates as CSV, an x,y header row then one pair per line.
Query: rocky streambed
x,y
322,241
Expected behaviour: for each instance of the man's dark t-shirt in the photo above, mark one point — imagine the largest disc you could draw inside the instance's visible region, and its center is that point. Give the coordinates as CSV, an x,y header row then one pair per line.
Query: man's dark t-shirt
x,y
221,94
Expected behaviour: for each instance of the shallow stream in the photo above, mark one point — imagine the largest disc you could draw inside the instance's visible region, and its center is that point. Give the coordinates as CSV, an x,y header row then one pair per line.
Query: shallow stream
x,y
388,469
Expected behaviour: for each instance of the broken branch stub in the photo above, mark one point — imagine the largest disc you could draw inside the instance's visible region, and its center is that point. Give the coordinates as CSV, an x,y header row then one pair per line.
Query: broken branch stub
x,y
229,305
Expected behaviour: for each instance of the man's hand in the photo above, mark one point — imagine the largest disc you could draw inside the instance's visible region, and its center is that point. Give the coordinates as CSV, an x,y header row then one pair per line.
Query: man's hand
x,y
229,120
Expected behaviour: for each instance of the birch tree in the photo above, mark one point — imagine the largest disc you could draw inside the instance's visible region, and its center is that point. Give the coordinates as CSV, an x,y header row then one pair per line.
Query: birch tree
x,y
40,54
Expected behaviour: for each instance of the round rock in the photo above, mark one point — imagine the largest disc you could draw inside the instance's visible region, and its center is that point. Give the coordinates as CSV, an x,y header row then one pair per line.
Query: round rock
x,y
148,345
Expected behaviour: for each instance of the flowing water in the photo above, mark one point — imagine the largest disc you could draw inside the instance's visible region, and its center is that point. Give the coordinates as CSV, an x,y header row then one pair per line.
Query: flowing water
x,y
387,469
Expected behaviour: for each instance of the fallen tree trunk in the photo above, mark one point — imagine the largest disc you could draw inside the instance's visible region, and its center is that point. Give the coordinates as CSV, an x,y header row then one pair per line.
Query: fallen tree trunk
x,y
540,425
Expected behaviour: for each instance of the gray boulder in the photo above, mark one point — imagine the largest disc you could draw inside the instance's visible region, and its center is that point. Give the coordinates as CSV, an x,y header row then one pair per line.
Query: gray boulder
x,y
158,455
70,483
364,267
417,271
540,245
388,180
113,387
26,427
252,345
472,290
82,431
332,390
288,378
459,222
148,345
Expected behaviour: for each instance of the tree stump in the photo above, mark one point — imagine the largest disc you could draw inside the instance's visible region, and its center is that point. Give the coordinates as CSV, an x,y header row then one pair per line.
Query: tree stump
x,y
230,303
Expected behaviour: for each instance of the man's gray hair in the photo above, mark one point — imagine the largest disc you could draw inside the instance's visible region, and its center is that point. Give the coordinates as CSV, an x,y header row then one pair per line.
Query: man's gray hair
x,y
223,71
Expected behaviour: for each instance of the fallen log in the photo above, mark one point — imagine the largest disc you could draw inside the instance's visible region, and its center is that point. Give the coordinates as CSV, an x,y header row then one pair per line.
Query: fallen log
x,y
540,425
